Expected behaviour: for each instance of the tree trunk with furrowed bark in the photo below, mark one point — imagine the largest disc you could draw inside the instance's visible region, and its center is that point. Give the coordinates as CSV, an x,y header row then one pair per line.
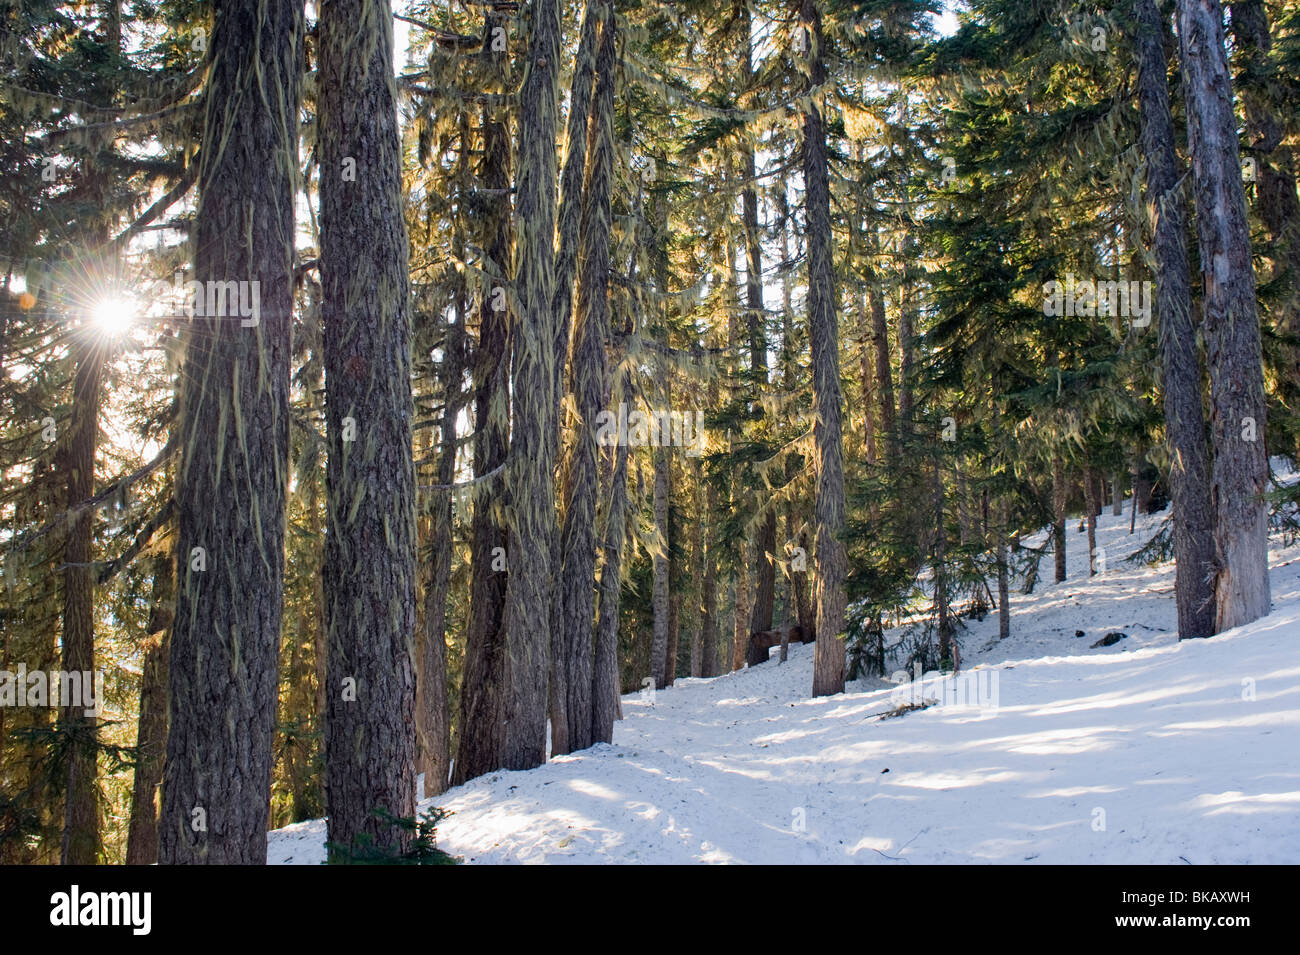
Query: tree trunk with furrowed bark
x,y
370,545
1184,419
1262,91
433,720
576,594
659,562
830,559
234,432
1239,473
481,744
530,471
569,235
151,736
81,837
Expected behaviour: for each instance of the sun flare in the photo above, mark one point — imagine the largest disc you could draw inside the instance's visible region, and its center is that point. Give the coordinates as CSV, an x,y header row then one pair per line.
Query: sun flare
x,y
113,314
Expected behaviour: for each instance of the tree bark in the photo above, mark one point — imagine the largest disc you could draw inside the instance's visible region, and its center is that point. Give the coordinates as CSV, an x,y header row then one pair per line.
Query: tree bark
x,y
939,562
81,837
573,197
370,544
740,621
756,330
1184,419
481,742
576,594
698,571
880,341
659,595
1004,582
433,720
234,428
1260,89
906,352
151,734
830,559
1059,491
573,203
81,844
531,509
764,573
605,704
1239,473
709,586
1092,504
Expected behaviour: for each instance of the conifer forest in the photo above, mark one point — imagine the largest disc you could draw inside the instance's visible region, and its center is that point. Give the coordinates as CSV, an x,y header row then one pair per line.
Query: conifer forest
x,y
614,431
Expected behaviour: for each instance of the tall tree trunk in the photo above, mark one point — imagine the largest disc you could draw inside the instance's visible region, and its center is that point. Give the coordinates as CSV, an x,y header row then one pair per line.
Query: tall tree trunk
x,y
880,339
1261,91
795,512
81,838
906,347
571,210
764,572
1004,580
756,329
297,698
1239,472
709,586
605,704
1092,504
741,602
316,612
1143,488
870,422
234,427
939,562
576,595
830,558
151,735
698,571
659,596
573,196
370,545
1184,419
740,622
674,624
433,719
1060,489
531,486
674,587
481,731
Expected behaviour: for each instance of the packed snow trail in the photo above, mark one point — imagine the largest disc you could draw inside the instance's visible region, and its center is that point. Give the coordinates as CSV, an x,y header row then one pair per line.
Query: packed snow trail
x,y
1147,751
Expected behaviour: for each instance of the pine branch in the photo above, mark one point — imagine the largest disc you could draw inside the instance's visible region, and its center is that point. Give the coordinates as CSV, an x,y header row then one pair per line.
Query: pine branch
x,y
165,202
111,569
106,494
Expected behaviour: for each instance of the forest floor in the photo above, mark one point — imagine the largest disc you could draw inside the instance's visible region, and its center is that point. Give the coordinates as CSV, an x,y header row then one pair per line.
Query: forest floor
x,y
1146,751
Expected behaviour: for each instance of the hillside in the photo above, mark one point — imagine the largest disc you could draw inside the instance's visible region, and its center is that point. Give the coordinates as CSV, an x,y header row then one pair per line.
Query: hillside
x,y
1146,751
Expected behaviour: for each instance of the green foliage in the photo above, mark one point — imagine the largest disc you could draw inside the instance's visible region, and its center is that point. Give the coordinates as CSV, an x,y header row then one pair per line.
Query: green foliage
x,y
423,848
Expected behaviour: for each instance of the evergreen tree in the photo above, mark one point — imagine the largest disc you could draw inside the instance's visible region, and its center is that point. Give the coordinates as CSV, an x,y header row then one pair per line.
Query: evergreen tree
x,y
233,434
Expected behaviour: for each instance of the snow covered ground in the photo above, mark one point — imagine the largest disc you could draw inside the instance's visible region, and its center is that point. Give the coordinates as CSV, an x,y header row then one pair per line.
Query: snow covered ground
x,y
1147,751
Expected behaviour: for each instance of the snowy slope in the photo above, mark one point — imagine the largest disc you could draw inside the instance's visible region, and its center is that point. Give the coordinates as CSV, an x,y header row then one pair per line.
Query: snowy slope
x,y
1148,751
